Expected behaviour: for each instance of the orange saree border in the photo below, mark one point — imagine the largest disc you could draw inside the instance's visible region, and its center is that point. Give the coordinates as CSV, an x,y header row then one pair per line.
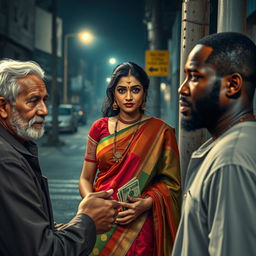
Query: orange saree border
x,y
164,222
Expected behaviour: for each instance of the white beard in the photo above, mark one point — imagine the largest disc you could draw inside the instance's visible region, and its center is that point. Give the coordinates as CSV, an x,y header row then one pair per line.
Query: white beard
x,y
24,129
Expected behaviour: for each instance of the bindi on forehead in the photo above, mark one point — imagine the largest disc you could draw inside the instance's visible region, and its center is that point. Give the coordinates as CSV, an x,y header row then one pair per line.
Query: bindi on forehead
x,y
128,80
129,77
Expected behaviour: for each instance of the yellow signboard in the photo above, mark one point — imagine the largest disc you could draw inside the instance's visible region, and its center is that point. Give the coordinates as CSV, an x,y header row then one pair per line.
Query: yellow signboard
x,y
157,62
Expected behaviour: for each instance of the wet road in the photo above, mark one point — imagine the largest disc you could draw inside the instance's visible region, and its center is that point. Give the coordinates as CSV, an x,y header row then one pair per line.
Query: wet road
x,y
62,166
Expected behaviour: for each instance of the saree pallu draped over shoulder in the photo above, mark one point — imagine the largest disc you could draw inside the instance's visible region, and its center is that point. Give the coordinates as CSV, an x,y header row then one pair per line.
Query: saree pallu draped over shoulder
x,y
153,158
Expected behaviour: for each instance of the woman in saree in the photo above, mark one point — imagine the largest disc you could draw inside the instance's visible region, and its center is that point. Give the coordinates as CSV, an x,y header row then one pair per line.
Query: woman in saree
x,y
127,144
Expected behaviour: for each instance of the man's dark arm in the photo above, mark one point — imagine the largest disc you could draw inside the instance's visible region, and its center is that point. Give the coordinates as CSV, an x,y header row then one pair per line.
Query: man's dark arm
x,y
25,227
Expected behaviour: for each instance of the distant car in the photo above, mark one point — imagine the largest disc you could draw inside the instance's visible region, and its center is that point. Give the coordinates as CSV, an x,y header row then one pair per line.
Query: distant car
x,y
81,114
67,118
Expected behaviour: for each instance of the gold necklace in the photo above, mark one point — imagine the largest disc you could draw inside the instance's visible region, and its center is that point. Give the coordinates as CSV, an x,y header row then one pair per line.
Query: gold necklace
x,y
117,156
129,122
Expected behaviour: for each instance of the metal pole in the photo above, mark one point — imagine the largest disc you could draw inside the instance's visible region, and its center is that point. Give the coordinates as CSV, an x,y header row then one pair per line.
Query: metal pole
x,y
65,72
232,16
53,138
156,44
195,25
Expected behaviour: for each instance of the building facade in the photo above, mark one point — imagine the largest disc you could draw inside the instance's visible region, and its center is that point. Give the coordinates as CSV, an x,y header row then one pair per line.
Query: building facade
x,y
17,29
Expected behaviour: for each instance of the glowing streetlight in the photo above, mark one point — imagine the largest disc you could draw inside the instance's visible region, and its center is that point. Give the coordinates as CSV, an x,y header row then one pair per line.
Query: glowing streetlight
x,y
108,79
112,61
85,37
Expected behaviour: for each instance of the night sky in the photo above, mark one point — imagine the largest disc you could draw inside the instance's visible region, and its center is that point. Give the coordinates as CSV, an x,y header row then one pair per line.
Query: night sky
x,y
118,30
117,26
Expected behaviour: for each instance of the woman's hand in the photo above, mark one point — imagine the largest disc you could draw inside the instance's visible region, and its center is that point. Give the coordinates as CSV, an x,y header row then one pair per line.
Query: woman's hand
x,y
133,209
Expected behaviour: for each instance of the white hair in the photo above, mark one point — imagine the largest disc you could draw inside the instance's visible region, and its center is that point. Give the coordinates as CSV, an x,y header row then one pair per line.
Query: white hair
x,y
10,71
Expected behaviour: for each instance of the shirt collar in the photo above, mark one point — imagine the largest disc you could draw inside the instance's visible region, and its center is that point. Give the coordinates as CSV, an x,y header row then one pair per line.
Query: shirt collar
x,y
209,144
28,148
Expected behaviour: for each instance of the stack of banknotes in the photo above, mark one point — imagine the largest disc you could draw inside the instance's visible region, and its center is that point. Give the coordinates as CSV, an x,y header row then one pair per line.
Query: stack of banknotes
x,y
131,188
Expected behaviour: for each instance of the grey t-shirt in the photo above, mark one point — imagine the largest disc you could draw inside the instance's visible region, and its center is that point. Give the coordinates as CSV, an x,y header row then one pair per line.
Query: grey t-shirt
x,y
219,205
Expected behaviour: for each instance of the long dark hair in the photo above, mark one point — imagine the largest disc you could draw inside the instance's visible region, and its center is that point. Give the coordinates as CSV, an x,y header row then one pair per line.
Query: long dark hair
x,y
123,69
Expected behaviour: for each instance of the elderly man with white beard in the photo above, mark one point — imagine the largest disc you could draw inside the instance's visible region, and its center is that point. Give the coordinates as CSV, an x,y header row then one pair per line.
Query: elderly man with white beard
x,y
27,225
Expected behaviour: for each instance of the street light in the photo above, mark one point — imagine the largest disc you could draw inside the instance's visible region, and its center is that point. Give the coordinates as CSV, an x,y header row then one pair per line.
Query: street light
x,y
85,37
112,61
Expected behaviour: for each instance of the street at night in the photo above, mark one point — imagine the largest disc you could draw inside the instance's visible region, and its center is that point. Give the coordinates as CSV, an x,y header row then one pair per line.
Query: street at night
x,y
127,128
62,166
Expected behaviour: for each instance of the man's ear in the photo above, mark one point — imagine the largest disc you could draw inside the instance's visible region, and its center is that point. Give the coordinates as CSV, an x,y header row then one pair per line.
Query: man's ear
x,y
4,108
234,85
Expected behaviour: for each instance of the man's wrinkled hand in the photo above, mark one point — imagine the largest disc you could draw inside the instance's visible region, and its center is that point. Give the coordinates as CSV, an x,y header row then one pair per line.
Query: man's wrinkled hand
x,y
101,208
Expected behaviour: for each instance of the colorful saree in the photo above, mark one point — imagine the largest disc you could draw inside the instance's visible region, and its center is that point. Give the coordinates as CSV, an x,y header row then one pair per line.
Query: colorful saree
x,y
153,158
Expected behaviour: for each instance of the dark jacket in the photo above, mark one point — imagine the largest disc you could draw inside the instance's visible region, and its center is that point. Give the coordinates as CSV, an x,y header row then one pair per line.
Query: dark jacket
x,y
26,220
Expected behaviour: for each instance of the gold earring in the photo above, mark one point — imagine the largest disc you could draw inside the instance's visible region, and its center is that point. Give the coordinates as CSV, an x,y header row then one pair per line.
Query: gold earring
x,y
143,106
115,106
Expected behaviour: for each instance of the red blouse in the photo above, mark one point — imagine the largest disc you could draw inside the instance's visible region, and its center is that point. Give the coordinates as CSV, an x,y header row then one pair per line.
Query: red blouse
x,y
98,131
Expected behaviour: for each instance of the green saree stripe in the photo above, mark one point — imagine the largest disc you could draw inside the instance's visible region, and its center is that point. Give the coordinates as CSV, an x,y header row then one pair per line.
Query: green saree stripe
x,y
123,130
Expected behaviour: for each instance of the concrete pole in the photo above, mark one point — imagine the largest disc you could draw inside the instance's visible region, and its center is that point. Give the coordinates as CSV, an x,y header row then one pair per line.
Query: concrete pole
x,y
65,66
53,138
65,71
156,44
232,16
195,25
